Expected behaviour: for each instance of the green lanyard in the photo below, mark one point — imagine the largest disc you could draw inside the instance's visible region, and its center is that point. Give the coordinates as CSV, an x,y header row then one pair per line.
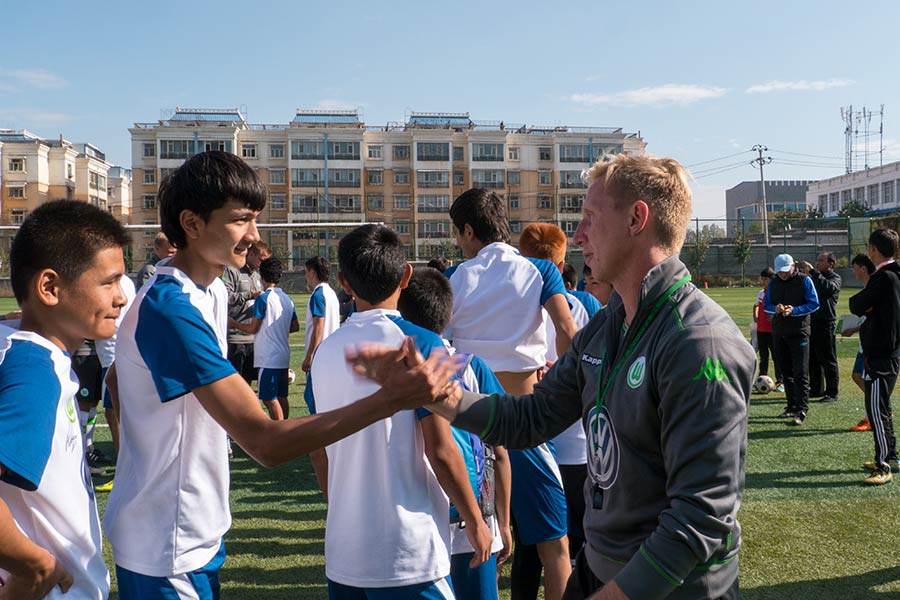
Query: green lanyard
x,y
601,396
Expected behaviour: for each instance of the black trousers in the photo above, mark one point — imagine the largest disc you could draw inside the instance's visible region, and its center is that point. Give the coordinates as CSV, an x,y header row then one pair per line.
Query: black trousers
x,y
792,352
525,577
880,377
823,360
765,343
582,583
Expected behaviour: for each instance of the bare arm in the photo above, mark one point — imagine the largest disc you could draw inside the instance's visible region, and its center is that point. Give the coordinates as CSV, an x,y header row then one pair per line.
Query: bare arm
x,y
318,327
295,325
112,385
502,495
250,327
34,572
450,469
558,309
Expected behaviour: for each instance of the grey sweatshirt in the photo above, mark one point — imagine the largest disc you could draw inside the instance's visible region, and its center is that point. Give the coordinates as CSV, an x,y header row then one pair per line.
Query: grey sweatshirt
x,y
666,455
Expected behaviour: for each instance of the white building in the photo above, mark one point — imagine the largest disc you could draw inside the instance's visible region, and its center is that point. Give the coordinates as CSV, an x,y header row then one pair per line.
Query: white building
x,y
877,189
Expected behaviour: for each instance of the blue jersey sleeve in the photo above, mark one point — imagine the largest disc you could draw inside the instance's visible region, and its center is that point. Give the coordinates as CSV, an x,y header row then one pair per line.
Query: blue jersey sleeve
x,y
178,345
449,271
426,342
29,400
553,281
591,304
317,303
487,381
260,306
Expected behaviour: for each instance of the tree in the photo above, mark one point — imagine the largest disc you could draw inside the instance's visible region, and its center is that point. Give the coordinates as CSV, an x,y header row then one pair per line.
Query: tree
x,y
854,208
742,247
699,240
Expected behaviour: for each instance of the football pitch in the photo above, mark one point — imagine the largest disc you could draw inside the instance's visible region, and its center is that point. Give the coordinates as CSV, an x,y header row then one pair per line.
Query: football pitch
x,y
811,529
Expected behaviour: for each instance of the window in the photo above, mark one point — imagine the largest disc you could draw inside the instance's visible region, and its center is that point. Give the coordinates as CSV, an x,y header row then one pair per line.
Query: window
x,y
432,203
873,195
276,201
823,203
432,151
401,177
344,203
149,150
433,179
513,153
375,177
544,201
344,177
834,200
845,198
307,150
401,152
18,216
459,178
303,203
571,179
401,226
149,201
544,178
434,229
306,177
248,150
95,180
569,227
513,202
17,165
344,150
149,177
515,226
69,172
17,192
375,201
276,150
513,177
401,202
574,153
176,149
458,153
571,204
484,178
887,192
545,153
375,152
859,194
487,152
277,176
220,145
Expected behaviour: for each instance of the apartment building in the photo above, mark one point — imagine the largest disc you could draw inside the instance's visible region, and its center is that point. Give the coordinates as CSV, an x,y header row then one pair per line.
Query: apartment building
x,y
877,189
34,170
330,167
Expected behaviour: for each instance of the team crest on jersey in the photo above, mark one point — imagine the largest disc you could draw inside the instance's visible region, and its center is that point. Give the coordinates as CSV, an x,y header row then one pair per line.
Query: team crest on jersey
x,y
603,449
636,372
70,410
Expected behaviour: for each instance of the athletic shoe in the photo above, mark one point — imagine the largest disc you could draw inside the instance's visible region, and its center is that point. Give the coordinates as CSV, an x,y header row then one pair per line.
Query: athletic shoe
x,y
779,387
787,414
96,458
870,465
829,399
878,478
106,487
797,420
863,425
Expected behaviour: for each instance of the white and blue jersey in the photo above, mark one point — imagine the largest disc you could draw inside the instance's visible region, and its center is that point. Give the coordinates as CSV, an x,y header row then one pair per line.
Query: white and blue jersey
x,y
387,522
590,303
323,303
169,508
275,311
46,483
497,300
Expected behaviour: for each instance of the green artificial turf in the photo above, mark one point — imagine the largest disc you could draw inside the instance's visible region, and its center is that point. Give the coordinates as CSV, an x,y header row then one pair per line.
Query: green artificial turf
x,y
811,529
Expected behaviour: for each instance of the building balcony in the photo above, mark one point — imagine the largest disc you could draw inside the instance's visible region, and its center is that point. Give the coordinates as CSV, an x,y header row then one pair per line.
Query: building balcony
x,y
487,159
435,235
488,185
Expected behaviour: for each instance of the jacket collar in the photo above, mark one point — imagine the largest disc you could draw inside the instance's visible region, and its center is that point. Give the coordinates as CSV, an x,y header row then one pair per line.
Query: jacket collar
x,y
657,280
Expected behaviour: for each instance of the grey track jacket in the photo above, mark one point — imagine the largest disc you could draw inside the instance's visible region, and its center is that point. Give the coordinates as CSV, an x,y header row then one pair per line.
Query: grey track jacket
x,y
668,447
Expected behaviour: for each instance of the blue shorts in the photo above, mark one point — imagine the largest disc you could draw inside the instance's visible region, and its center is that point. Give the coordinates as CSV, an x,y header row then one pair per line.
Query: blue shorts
x,y
273,384
480,582
202,583
308,395
538,500
859,365
441,589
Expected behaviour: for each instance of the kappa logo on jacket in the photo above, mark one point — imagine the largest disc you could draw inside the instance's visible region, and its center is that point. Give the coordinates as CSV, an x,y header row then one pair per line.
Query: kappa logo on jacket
x,y
603,448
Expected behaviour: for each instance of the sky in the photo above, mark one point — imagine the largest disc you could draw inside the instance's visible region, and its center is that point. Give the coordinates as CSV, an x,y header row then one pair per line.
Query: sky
x,y
702,82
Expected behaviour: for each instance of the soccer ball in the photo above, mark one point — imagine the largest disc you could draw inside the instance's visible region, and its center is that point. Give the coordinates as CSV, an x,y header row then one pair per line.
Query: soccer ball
x,y
292,376
763,385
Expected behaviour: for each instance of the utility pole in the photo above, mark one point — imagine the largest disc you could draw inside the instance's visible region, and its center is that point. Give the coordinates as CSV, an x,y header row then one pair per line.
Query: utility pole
x,y
763,160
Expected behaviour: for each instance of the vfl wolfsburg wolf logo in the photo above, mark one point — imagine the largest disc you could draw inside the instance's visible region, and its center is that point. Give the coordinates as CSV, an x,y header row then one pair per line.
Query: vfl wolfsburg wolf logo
x,y
603,449
636,372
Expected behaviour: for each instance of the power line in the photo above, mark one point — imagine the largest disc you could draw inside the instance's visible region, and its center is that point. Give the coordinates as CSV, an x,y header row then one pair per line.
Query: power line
x,y
717,159
720,171
810,155
701,171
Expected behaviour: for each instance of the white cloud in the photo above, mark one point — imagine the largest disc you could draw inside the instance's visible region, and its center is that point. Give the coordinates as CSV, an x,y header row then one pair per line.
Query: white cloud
x,y
27,118
802,85
661,95
12,79
332,104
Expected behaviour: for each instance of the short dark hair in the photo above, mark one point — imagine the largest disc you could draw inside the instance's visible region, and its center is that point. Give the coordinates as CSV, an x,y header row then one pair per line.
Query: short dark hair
x,y
203,184
440,263
270,270
569,275
320,265
64,235
428,299
885,241
372,260
863,260
485,212
767,272
829,257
